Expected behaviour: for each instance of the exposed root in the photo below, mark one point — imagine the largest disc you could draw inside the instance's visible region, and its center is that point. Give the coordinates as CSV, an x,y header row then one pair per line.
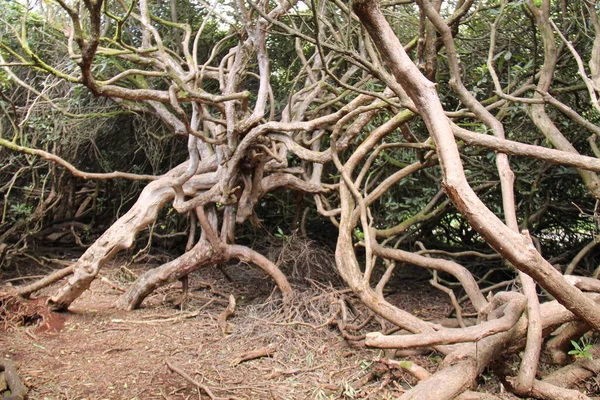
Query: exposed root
x,y
582,369
185,285
201,255
228,312
558,346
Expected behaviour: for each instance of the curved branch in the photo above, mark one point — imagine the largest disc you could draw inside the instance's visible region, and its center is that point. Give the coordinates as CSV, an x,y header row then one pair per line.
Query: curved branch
x,y
514,307
513,246
72,169
438,264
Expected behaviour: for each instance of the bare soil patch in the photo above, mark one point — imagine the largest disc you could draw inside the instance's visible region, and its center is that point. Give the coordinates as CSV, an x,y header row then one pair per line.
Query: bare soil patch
x,y
97,352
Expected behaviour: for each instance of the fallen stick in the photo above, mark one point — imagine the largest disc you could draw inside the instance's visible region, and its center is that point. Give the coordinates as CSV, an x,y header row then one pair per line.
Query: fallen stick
x,y
25,291
253,354
191,380
112,284
177,317
295,371
17,388
23,278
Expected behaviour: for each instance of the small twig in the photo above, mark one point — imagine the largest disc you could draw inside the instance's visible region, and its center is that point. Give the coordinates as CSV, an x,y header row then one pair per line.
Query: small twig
x,y
112,284
297,323
295,371
200,297
254,354
191,380
112,329
166,318
434,282
23,278
30,334
179,317
105,352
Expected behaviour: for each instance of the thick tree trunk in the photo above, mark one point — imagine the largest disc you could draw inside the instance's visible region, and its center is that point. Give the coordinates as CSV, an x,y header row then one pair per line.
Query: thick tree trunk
x,y
121,235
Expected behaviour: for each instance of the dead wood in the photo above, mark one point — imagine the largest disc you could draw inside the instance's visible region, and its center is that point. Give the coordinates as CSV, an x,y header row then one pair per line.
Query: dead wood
x,y
191,380
278,373
254,354
17,388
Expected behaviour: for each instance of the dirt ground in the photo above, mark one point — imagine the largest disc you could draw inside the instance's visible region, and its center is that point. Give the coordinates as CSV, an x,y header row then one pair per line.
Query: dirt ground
x,y
97,352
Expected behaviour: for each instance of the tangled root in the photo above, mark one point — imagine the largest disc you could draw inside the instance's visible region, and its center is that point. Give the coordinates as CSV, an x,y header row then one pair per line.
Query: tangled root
x,y
16,312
